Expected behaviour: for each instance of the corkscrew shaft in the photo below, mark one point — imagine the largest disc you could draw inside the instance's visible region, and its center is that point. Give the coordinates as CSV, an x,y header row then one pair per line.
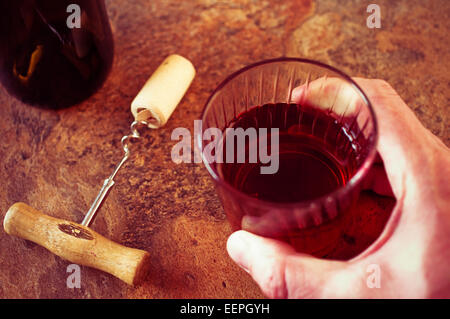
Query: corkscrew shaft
x,y
109,182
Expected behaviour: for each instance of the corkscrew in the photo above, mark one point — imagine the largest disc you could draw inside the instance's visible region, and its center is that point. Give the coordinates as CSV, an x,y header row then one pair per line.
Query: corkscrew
x,y
79,244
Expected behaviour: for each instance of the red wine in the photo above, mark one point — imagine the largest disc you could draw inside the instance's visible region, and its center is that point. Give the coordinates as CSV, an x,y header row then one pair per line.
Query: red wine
x,y
43,61
316,154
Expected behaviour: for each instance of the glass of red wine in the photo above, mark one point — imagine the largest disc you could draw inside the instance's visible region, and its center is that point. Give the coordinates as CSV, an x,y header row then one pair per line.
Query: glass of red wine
x,y
288,142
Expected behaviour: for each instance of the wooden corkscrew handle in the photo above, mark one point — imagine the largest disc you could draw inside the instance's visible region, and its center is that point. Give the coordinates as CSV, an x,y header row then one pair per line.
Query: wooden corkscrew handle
x,y
77,243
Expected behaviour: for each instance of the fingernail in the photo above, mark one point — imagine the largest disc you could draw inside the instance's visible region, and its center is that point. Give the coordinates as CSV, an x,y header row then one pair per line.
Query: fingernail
x,y
297,94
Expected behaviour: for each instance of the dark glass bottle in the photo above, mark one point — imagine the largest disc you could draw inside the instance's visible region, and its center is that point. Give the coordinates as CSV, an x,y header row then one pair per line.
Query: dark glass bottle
x,y
54,53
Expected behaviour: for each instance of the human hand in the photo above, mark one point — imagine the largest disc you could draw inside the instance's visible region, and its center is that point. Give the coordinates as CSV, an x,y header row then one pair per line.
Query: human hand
x,y
412,253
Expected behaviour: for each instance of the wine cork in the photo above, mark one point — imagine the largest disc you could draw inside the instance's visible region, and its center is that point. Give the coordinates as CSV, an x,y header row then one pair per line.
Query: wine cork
x,y
162,92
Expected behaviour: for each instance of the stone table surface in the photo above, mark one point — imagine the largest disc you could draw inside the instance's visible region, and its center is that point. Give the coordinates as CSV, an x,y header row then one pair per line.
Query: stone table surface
x,y
56,160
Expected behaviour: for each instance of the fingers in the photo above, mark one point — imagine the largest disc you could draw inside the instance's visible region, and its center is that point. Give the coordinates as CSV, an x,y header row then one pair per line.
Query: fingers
x,y
405,145
377,181
279,271
329,94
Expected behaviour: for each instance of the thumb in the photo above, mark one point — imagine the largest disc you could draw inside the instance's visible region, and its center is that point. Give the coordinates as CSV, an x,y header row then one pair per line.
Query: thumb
x,y
279,271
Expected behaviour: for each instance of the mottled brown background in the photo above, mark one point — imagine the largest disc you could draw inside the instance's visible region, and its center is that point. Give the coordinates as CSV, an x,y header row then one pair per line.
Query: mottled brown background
x,y
57,160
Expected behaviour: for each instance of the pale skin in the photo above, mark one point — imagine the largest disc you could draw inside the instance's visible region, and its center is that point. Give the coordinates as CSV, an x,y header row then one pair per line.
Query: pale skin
x,y
413,251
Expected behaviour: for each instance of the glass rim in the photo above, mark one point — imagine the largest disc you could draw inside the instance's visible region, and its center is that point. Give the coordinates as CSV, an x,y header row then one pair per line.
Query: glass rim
x,y
354,180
